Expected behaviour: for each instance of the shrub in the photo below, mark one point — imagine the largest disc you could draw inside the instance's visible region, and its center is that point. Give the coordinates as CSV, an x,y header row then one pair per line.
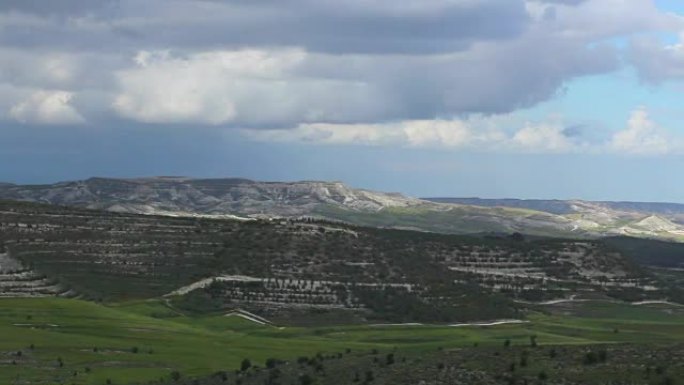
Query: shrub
x,y
552,353
175,375
306,379
590,358
272,363
245,365
390,359
602,355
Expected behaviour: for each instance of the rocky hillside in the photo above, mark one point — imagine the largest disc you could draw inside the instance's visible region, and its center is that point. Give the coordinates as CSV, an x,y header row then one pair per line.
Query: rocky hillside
x,y
278,267
179,196
563,207
641,219
183,196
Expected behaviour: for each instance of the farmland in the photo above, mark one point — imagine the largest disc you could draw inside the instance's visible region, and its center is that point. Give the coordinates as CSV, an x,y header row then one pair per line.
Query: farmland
x,y
57,340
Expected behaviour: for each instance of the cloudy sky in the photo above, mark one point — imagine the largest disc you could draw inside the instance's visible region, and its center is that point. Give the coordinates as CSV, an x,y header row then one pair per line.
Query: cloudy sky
x,y
490,98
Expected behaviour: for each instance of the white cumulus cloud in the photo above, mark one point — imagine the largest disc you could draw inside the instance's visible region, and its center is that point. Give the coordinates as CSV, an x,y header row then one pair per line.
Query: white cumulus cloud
x,y
475,133
543,137
46,107
643,137
508,133
243,87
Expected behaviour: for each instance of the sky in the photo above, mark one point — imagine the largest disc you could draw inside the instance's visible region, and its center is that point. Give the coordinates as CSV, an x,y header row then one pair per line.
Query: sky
x,y
552,99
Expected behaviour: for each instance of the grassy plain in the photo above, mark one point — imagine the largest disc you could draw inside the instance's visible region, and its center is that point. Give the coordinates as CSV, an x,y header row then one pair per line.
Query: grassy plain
x,y
51,340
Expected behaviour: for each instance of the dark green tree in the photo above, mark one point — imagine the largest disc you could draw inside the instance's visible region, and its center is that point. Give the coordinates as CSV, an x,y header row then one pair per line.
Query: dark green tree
x,y
245,365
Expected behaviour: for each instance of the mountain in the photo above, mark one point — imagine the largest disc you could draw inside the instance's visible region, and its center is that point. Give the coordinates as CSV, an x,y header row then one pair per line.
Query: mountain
x,y
186,196
562,207
233,197
646,219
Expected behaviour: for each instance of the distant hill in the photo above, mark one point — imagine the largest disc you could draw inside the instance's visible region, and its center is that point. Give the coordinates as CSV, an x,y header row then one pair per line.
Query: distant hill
x,y
179,195
234,197
558,207
562,207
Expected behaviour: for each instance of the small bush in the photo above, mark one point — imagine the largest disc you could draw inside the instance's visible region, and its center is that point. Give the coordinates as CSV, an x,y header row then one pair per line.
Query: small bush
x,y
245,365
175,375
306,379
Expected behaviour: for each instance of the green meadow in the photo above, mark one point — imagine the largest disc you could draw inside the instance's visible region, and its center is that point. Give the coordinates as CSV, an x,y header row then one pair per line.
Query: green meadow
x,y
53,340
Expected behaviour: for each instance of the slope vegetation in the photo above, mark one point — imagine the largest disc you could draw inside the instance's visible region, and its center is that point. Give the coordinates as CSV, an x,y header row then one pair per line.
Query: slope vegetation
x,y
290,269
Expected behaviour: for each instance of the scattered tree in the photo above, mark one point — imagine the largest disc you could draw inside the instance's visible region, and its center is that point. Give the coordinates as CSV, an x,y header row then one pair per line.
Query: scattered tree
x,y
175,376
390,359
306,379
245,365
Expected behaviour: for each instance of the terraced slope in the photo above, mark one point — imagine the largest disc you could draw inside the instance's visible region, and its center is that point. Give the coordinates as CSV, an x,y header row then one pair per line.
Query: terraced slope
x,y
18,281
107,255
278,267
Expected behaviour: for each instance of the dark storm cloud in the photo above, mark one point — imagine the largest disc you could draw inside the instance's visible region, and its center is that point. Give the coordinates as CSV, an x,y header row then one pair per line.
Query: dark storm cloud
x,y
384,26
320,26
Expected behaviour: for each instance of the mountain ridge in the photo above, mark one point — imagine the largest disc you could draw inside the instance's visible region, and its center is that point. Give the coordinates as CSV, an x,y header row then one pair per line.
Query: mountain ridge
x,y
334,200
563,206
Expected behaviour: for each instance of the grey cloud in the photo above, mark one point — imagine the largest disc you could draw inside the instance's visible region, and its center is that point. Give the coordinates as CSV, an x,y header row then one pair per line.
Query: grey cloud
x,y
56,7
352,61
294,87
320,26
656,63
563,2
59,70
575,131
587,132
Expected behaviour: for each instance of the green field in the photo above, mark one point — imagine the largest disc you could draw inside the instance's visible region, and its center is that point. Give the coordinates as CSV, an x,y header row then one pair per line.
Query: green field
x,y
147,340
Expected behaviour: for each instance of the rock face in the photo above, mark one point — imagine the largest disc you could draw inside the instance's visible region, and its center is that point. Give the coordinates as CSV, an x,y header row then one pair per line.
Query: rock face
x,y
183,196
